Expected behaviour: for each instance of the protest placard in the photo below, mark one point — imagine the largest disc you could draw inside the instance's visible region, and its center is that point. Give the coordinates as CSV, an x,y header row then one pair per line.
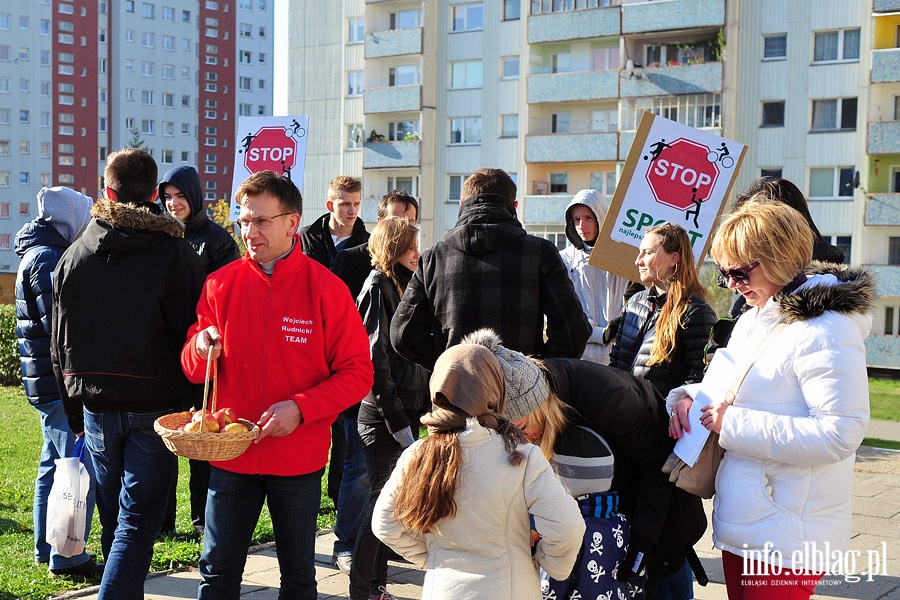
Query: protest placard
x,y
673,173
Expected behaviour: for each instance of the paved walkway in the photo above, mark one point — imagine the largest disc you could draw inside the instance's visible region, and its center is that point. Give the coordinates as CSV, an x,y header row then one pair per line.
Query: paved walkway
x,y
876,528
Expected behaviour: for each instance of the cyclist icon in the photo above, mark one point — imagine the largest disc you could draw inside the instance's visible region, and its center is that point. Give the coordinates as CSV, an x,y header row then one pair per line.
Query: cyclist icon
x,y
721,155
295,129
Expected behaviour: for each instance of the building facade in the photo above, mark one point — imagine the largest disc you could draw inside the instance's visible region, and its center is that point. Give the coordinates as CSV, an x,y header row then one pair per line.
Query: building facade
x,y
81,79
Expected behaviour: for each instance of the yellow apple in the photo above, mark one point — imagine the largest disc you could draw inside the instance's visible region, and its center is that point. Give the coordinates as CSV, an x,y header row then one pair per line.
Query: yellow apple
x,y
236,426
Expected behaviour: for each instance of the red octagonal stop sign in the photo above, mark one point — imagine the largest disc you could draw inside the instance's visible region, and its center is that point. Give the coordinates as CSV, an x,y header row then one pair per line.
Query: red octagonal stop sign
x,y
269,149
682,175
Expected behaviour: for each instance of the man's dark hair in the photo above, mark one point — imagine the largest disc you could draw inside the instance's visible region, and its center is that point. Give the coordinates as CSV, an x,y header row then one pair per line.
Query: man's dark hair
x,y
397,197
277,185
133,174
786,192
491,181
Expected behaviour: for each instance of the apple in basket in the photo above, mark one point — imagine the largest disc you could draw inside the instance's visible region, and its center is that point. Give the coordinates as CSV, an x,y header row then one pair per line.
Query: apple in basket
x,y
210,423
225,416
234,427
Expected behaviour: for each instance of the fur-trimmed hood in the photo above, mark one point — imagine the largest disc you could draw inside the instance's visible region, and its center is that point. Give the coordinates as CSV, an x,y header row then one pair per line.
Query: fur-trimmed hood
x,y
119,228
830,287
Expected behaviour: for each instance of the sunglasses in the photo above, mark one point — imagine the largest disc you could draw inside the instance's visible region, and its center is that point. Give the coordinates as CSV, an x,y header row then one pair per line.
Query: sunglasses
x,y
739,276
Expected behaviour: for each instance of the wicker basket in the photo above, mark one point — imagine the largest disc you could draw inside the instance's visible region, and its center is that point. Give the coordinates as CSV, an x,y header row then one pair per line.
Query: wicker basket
x,y
204,445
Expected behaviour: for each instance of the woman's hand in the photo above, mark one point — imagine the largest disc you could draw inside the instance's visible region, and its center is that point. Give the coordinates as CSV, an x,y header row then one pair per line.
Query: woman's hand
x,y
679,418
713,414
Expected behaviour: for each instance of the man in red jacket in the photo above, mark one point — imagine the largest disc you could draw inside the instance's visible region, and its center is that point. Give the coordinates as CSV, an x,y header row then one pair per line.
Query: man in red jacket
x,y
292,355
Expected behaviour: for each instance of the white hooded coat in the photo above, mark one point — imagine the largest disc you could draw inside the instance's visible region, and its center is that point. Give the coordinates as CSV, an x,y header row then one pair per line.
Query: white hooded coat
x,y
601,293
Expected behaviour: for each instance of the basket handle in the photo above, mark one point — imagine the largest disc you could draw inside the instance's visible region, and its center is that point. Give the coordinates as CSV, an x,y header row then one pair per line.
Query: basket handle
x,y
211,367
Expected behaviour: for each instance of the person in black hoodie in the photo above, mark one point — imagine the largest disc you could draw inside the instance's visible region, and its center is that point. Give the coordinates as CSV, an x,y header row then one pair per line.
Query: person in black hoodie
x,y
62,215
182,195
125,294
389,416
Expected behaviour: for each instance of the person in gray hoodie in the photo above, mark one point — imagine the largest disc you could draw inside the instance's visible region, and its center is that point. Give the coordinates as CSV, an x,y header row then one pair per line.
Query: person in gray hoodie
x,y
602,294
182,195
62,216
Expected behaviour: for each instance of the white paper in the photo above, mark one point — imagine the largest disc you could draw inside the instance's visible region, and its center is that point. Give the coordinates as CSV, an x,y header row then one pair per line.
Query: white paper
x,y
717,381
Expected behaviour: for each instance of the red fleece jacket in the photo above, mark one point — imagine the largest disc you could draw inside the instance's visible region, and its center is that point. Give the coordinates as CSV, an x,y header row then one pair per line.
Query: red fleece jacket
x,y
295,335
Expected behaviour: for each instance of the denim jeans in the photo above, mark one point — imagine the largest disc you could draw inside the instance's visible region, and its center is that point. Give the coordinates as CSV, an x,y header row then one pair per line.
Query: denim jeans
x,y
133,470
232,511
354,494
58,442
677,586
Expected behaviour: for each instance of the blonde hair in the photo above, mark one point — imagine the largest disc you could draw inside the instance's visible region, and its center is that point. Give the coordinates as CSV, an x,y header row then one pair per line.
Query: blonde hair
x,y
551,418
390,240
343,183
684,285
767,232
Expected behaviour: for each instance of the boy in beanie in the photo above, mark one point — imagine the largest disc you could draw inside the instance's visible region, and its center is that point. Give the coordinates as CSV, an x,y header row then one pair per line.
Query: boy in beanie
x,y
583,463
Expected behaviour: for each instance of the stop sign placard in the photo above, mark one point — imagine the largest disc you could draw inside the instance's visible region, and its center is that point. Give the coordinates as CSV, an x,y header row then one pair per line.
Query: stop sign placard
x,y
270,149
682,175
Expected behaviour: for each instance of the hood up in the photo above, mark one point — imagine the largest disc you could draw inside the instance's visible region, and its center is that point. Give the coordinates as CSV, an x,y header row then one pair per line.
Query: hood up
x,y
187,180
594,201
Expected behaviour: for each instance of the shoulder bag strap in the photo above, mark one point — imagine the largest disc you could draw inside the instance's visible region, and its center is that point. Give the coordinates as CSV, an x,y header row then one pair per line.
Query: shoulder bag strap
x,y
742,374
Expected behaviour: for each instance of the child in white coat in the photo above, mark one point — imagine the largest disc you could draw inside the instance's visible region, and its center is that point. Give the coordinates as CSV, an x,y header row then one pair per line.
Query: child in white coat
x,y
458,501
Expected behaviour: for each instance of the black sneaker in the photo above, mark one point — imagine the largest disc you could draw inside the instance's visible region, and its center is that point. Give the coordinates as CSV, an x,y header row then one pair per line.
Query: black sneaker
x,y
86,570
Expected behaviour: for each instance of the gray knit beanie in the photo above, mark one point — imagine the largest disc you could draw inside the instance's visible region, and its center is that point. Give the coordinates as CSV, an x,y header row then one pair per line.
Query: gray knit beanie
x,y
526,385
582,461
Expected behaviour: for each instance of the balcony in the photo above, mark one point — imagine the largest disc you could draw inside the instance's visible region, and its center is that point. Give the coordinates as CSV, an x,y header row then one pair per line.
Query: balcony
x,y
571,147
662,16
546,209
701,78
883,351
394,42
883,209
573,25
390,155
885,65
887,279
886,5
401,98
884,138
569,87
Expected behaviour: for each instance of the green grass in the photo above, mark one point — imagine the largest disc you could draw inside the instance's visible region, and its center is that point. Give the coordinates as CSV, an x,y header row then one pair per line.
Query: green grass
x,y
20,577
876,443
884,399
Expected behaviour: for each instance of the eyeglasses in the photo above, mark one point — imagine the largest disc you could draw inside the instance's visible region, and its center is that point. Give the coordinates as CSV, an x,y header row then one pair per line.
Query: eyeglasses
x,y
739,276
262,223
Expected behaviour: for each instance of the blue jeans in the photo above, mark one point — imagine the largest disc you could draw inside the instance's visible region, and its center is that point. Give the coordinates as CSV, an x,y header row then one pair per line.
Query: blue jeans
x,y
677,586
133,470
354,495
232,511
58,442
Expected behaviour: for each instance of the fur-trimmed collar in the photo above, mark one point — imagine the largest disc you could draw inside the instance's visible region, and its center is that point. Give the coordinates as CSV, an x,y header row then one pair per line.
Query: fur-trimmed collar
x,y
854,292
128,216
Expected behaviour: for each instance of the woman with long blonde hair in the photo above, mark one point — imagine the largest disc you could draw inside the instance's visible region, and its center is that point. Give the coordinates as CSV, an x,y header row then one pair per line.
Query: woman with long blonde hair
x,y
458,502
388,418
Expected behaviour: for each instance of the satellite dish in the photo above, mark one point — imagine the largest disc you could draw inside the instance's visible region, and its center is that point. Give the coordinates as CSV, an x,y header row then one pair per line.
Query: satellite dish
x,y
629,68
357,134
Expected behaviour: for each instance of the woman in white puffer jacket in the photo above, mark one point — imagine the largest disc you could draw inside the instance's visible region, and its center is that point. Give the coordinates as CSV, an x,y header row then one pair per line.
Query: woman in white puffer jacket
x,y
784,485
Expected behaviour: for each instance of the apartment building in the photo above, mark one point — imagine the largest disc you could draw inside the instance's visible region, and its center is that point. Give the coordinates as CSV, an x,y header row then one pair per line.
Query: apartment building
x,y
552,91
81,79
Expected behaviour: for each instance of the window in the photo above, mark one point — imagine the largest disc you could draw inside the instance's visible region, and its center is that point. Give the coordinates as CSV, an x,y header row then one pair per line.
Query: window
x,y
4,85
66,38
889,327
773,114
245,30
354,83
893,251
4,241
456,183
398,130
24,53
468,17
24,209
101,36
245,84
830,46
24,116
561,63
147,68
101,124
355,136
604,182
465,130
24,178
4,52
147,97
185,129
147,126
24,147
775,47
261,57
148,40
168,14
23,22
129,35
185,101
828,115
185,16
147,10
693,110
168,128
406,19
45,58
129,6
4,179
4,21
403,75
168,43
168,72
511,10
245,57
168,100
776,173
261,84
4,116
129,123
357,33
831,182
45,27
244,110
559,183
4,147
605,59
559,123
510,67
465,74
605,120
185,72
509,126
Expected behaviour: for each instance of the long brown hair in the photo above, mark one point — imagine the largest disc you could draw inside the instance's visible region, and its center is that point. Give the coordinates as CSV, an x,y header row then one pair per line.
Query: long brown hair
x,y
390,240
684,285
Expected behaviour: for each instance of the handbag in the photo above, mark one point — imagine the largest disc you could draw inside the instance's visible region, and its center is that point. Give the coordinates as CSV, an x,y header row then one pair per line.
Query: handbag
x,y
700,479
67,505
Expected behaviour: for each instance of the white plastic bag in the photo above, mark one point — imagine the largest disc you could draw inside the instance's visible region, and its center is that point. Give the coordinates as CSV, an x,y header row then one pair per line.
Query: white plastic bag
x,y
66,507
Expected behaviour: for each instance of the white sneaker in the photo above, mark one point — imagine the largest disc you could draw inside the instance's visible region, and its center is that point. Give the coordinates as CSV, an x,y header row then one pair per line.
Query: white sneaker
x,y
384,595
343,562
